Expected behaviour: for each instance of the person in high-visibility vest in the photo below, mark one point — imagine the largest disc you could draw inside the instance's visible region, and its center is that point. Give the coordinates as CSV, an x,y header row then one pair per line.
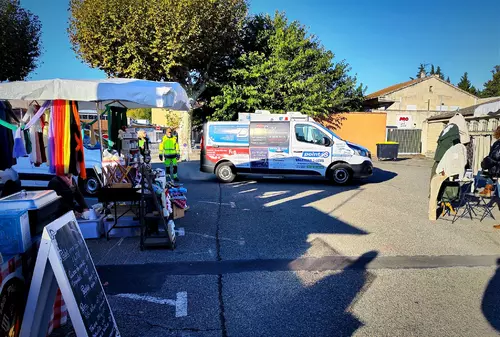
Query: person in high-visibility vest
x,y
169,150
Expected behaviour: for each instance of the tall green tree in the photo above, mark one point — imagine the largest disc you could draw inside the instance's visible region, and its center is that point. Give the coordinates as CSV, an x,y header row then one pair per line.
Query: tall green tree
x,y
432,70
466,85
191,41
20,45
292,73
422,69
492,87
448,79
439,73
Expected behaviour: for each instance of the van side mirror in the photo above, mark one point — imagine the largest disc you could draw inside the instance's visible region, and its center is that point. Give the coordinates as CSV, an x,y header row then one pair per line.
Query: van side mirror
x,y
327,141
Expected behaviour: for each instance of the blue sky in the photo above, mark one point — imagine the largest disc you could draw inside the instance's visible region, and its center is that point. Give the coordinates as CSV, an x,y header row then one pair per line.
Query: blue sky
x,y
383,41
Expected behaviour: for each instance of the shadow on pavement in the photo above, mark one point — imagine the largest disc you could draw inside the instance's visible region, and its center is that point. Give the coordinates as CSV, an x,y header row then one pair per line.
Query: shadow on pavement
x,y
302,304
491,300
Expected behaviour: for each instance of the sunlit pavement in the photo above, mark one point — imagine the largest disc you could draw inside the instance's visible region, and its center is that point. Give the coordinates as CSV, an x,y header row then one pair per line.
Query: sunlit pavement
x,y
300,257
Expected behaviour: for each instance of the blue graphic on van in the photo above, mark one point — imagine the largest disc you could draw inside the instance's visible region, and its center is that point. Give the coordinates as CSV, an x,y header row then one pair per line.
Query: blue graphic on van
x,y
315,154
229,133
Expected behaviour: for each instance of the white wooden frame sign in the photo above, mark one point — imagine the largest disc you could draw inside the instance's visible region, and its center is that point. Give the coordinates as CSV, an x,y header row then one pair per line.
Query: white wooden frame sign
x,y
64,260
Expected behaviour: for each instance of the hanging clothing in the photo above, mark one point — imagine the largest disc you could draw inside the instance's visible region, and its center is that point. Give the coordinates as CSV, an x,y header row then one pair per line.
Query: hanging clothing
x,y
454,161
448,137
77,160
6,139
117,119
463,130
19,147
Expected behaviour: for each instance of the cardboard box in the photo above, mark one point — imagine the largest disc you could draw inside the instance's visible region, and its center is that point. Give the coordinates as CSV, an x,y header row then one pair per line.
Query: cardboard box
x,y
178,212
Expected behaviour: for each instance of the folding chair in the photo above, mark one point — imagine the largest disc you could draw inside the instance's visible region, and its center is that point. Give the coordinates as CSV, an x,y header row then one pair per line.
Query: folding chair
x,y
465,201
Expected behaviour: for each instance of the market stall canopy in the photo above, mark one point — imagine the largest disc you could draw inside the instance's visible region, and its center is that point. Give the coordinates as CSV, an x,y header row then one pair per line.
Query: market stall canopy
x,y
131,93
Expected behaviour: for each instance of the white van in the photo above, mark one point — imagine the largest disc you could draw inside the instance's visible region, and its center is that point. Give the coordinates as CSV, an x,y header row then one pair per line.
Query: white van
x,y
292,143
38,177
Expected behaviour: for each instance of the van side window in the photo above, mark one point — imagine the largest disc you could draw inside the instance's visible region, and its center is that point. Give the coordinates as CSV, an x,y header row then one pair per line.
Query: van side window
x,y
308,134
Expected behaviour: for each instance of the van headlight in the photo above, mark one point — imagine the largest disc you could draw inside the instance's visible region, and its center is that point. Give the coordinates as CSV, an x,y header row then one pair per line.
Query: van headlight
x,y
361,152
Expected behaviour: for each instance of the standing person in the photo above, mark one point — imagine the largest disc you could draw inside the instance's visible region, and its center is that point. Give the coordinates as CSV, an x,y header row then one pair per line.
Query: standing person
x,y
143,142
169,148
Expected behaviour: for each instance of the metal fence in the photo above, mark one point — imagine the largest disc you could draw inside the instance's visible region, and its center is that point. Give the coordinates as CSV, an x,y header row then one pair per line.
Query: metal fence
x,y
410,140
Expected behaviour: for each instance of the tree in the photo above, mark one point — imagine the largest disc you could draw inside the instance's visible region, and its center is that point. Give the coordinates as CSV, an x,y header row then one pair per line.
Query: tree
x,y
422,69
293,73
144,113
492,87
466,85
448,79
20,45
189,41
439,73
432,70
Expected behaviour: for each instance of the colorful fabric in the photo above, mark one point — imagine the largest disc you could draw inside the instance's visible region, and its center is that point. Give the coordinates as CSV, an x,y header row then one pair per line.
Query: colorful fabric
x,y
6,139
77,152
19,147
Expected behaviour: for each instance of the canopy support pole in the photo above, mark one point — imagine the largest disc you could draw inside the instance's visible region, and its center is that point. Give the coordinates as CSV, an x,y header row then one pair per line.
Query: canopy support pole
x,y
99,127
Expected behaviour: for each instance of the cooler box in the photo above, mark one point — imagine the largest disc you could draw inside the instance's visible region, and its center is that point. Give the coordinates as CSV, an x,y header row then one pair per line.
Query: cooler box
x,y
15,237
92,229
43,206
387,150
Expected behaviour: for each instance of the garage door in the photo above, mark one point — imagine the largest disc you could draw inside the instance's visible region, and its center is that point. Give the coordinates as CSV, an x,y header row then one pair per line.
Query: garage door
x,y
409,140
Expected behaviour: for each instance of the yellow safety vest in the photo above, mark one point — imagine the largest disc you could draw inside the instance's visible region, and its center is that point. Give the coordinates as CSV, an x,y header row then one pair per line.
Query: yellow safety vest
x,y
169,146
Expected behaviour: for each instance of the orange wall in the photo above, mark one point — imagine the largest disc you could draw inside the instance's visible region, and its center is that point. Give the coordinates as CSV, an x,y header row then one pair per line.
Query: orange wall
x,y
363,128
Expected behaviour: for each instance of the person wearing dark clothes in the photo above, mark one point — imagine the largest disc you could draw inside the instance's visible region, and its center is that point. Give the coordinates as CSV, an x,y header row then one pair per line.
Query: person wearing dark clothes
x,y
71,197
491,164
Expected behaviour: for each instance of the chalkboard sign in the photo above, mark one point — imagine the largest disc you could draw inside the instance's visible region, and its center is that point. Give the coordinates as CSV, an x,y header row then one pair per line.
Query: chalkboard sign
x,y
73,269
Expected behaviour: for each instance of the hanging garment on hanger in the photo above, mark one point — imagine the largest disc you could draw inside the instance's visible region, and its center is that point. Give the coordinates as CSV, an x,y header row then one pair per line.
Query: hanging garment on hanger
x,y
448,137
67,136
463,130
77,161
453,161
19,147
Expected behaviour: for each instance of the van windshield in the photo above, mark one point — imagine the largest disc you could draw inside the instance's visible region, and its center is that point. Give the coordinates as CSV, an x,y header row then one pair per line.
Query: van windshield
x,y
328,131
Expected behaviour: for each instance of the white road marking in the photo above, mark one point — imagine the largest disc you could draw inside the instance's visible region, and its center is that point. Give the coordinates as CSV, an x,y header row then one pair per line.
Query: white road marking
x,y
120,241
180,231
248,191
180,303
232,204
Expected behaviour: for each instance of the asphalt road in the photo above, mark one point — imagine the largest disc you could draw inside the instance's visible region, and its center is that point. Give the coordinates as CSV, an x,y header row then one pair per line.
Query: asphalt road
x,y
296,257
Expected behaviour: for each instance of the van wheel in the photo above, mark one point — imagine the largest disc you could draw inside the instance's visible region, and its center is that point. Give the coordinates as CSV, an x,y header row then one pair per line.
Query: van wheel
x,y
91,185
340,174
225,173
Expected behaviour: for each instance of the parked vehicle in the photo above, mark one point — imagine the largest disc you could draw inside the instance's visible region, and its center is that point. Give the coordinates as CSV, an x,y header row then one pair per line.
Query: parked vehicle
x,y
290,143
33,177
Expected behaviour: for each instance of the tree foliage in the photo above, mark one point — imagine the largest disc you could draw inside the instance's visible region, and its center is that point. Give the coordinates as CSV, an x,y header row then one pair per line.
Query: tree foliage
x,y
466,85
190,41
492,87
20,44
289,71
144,113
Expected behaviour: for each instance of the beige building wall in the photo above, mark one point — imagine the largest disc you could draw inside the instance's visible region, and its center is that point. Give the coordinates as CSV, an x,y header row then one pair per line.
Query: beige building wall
x,y
426,99
430,95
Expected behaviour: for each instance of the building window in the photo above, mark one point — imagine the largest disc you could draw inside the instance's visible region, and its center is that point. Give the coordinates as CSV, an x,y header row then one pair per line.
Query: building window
x,y
430,88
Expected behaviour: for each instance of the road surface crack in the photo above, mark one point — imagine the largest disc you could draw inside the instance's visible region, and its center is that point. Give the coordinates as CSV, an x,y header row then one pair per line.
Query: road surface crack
x,y
222,315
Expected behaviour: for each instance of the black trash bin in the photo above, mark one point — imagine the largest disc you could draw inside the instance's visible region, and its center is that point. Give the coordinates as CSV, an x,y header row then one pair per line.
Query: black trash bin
x,y
387,150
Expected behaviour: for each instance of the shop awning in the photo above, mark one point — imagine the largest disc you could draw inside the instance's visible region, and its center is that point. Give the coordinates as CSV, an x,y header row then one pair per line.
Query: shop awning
x,y
131,93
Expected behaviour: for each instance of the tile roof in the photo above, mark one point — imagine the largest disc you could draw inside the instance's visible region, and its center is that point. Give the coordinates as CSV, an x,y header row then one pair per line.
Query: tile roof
x,y
393,88
469,111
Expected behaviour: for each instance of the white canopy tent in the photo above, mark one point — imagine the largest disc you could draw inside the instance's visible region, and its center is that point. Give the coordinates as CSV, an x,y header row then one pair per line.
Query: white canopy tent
x,y
96,94
131,93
